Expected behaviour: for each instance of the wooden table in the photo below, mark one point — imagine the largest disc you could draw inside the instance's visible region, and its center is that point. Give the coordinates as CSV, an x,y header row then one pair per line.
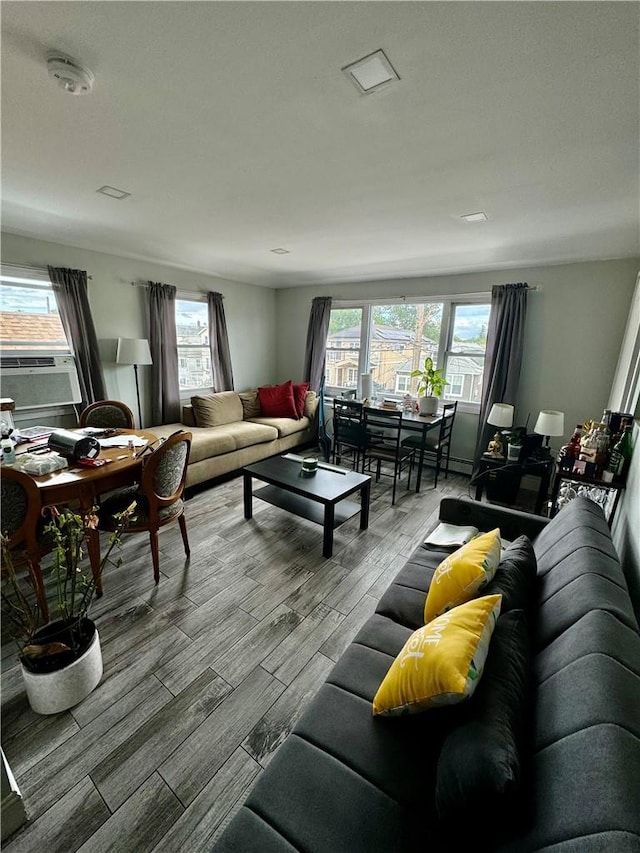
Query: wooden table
x,y
319,498
84,486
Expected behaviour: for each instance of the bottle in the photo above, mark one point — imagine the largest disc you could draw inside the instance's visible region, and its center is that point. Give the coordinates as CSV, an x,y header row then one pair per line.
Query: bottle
x,y
570,451
589,450
8,452
573,447
621,455
602,452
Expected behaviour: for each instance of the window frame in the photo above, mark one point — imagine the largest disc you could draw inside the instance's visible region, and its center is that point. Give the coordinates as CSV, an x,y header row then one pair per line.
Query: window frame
x,y
448,303
32,279
187,393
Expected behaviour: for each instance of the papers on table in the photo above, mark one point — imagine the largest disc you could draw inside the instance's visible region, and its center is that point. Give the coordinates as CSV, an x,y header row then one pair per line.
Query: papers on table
x,y
123,441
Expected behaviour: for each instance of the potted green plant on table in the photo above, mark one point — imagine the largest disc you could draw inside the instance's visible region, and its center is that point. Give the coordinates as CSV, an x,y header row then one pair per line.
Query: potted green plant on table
x,y
61,661
514,444
431,384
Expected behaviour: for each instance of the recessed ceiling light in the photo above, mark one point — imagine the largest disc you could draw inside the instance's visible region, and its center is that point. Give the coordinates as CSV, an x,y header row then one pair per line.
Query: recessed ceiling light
x,y
112,192
475,217
280,251
371,73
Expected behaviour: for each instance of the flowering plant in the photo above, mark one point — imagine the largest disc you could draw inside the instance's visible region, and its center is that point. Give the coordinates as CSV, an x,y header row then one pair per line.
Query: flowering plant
x,y
75,585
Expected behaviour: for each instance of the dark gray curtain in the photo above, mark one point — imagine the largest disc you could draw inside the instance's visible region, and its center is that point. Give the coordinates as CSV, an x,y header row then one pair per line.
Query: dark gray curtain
x,y
219,343
503,359
165,387
70,289
317,341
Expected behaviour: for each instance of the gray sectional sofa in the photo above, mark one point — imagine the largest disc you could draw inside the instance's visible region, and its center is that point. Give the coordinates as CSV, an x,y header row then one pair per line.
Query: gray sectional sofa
x,y
236,434
345,781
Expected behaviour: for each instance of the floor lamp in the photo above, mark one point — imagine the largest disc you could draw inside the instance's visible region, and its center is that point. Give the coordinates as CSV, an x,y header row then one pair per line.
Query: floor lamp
x,y
134,351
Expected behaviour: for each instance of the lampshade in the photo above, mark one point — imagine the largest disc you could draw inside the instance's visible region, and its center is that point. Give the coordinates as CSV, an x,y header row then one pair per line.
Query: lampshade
x,y
133,351
550,422
501,415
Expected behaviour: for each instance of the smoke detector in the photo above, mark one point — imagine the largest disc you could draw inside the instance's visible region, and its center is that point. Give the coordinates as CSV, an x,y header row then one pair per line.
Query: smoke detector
x,y
74,78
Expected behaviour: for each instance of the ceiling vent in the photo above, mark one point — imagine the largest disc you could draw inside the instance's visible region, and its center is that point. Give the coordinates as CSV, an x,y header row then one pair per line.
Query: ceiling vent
x,y
74,78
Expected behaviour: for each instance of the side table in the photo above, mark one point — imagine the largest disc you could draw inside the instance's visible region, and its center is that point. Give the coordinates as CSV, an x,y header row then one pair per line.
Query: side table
x,y
489,468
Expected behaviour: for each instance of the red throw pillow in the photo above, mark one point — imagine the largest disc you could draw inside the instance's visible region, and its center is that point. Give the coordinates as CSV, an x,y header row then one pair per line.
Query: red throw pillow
x,y
300,395
276,401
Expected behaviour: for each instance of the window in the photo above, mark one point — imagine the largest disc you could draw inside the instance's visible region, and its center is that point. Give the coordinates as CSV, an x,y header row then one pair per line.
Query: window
x,y
194,355
343,349
403,383
467,342
456,384
391,340
29,318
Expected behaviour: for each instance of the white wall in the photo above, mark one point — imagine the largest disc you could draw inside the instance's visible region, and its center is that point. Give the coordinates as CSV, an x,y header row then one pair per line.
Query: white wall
x,y
575,323
119,310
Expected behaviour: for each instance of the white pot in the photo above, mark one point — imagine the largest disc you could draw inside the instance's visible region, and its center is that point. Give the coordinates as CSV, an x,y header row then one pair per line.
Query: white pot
x,y
52,692
513,452
428,405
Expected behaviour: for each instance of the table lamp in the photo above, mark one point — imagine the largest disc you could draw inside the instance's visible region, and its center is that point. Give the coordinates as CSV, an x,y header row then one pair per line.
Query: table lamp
x,y
134,351
501,415
549,423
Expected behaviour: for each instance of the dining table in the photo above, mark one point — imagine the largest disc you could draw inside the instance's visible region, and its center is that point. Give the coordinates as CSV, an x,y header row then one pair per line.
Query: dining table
x,y
81,486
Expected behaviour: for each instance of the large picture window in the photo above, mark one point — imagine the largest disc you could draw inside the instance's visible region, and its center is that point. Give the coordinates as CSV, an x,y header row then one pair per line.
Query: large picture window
x,y
29,318
392,339
194,355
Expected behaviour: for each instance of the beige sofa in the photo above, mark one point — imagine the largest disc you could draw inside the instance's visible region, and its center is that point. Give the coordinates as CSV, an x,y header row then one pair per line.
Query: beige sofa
x,y
236,434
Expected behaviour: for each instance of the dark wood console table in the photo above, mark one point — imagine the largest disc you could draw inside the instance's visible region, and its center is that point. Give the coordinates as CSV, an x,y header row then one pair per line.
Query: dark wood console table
x,y
489,468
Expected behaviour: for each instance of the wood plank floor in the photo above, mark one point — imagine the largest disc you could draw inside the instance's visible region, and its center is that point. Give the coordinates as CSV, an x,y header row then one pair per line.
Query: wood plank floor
x,y
205,674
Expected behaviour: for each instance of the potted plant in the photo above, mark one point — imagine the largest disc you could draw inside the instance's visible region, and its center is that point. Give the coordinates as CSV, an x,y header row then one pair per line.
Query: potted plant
x,y
514,445
61,661
431,384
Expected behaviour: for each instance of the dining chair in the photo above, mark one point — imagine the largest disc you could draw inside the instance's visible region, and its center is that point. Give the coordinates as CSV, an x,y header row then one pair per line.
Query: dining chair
x,y
107,413
158,496
349,435
23,527
386,426
439,446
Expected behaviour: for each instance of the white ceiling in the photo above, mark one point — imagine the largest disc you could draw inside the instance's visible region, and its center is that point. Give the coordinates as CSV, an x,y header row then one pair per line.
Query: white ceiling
x,y
234,130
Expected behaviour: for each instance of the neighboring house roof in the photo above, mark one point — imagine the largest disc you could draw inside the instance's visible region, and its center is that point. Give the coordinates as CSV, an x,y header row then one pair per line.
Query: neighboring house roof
x,y
466,365
378,333
192,334
23,326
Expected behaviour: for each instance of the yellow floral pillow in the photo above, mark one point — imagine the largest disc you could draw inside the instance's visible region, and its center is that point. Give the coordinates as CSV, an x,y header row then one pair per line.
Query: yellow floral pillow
x,y
442,662
463,574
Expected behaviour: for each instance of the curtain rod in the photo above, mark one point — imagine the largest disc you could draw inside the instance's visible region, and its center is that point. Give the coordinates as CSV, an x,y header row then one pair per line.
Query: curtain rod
x,y
146,284
31,267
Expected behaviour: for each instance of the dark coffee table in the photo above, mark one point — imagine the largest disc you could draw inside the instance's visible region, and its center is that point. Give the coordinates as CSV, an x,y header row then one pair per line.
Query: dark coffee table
x,y
319,498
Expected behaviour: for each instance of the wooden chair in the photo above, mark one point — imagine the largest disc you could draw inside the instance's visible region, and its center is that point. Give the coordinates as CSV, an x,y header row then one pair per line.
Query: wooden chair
x,y
107,413
387,428
439,446
159,495
23,526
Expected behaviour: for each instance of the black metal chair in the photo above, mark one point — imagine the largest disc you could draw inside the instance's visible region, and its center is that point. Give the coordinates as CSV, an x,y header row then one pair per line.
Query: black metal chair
x,y
386,426
439,446
107,413
159,495
349,435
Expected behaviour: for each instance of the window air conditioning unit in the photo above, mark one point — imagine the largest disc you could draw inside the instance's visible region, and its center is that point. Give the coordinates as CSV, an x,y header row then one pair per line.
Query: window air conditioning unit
x,y
39,382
